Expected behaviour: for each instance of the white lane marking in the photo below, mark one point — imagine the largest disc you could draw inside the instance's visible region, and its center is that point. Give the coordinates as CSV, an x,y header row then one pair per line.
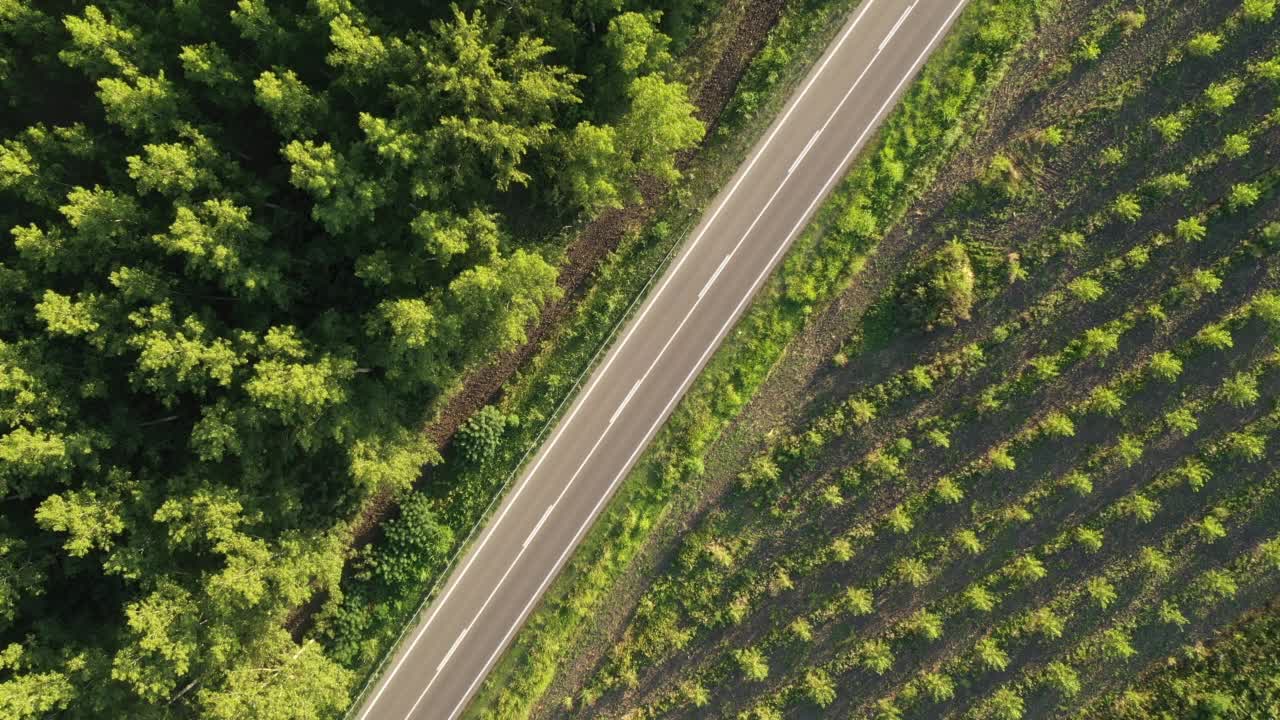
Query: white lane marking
x,y
714,275
453,647
624,402
805,151
545,514
897,25
697,366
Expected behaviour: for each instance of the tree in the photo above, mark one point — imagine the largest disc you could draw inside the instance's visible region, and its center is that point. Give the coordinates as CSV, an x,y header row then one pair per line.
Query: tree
x,y
912,571
659,124
1219,97
1241,389
1045,622
1116,645
940,292
265,685
926,624
1085,289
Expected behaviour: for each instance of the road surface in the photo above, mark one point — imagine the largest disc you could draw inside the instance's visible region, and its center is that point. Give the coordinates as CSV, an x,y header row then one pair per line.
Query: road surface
x,y
747,230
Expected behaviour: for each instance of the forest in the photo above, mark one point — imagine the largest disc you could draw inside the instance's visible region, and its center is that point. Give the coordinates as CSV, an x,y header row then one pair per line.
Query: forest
x,y
1018,458
250,247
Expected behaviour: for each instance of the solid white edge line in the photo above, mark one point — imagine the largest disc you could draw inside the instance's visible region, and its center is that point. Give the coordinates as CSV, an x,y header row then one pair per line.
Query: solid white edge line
x,y
680,390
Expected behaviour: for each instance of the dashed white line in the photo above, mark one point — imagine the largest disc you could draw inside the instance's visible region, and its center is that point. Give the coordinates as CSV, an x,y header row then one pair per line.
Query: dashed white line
x,y
805,151
897,25
624,402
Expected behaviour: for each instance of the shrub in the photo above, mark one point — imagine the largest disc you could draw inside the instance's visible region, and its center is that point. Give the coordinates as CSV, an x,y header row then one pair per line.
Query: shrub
x,y
1101,592
1155,562
1241,389
416,545
1089,538
479,436
1079,482
1182,420
968,540
1204,44
1200,283
1053,136
1027,569
801,629
1140,507
1165,366
940,292
991,654
1116,645
1070,241
979,598
1217,585
1219,97
1006,704
1170,127
876,656
1106,401
752,663
1243,195
1063,678
1258,10
948,491
925,624
819,688
899,520
1085,289
1214,336
912,571
858,601
1190,229
1045,622
1002,460
1057,424
1246,446
938,686
1127,208
1236,146
1170,614
1130,21
1170,183
1210,529
1111,156
1099,342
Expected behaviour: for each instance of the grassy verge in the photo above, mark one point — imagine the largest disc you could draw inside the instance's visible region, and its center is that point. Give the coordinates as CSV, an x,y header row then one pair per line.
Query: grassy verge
x,y
914,142
366,624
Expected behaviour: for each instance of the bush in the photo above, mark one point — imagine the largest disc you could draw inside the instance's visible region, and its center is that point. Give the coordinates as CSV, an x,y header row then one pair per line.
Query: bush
x,y
416,546
1205,44
1258,10
1243,195
819,688
940,292
480,435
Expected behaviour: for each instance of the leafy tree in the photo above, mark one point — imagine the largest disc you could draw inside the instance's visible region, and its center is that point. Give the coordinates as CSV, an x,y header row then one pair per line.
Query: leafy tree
x,y
1190,229
1165,366
1101,591
1243,195
1116,644
980,598
912,571
1258,10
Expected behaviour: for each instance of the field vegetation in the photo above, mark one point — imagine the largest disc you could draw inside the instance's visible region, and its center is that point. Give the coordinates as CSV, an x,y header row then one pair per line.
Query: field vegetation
x,y
1028,452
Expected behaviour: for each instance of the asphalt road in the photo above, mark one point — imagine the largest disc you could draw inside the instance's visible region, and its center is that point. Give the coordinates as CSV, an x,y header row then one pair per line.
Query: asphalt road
x,y
731,253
